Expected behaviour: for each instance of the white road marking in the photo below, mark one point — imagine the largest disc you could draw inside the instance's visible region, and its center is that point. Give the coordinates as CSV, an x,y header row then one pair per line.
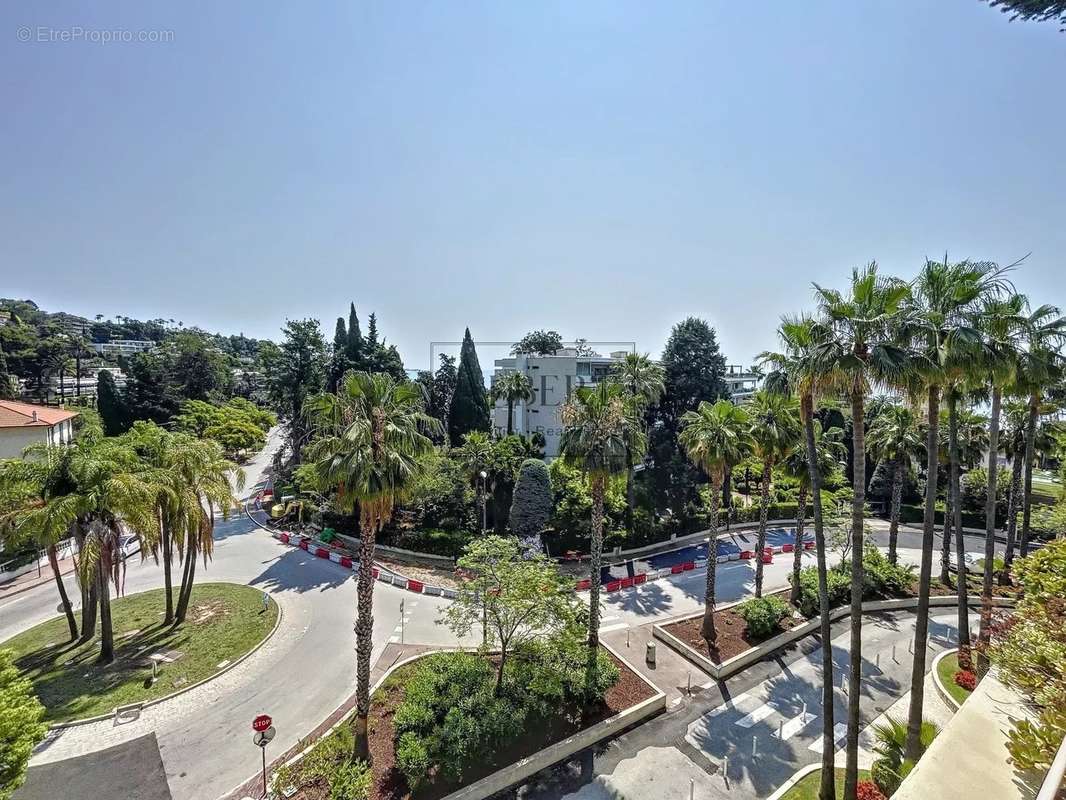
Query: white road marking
x,y
744,702
794,726
840,733
609,628
756,716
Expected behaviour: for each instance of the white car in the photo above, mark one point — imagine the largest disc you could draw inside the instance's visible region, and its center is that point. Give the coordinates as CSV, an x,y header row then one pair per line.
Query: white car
x,y
129,544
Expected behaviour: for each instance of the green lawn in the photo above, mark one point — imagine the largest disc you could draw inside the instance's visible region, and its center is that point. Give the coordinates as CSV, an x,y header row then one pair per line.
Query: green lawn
x,y
224,622
946,670
807,788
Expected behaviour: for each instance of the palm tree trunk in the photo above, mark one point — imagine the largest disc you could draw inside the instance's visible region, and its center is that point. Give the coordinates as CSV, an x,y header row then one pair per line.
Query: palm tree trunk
x,y
597,490
107,633
956,515
629,489
364,633
827,790
510,416
168,580
187,577
764,504
1013,502
945,545
709,632
897,497
858,437
984,632
797,556
921,623
77,371
1027,496
53,562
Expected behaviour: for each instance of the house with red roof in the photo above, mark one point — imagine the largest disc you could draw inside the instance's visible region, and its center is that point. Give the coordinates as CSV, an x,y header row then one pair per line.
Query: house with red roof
x,y
23,424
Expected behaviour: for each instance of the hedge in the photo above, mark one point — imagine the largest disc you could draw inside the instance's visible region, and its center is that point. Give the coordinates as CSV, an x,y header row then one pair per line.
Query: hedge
x,y
970,519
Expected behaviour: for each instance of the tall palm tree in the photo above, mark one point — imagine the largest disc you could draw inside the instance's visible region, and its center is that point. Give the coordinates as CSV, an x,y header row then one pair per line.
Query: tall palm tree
x,y
643,382
475,454
1040,366
714,436
597,422
895,438
775,433
941,328
512,387
855,348
1002,322
371,445
794,371
201,474
1012,443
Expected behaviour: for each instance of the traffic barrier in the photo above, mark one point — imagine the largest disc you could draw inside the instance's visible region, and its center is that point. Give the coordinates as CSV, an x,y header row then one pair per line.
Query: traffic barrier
x,y
676,568
723,559
613,586
347,562
734,556
284,537
375,572
639,579
335,557
787,548
808,545
433,590
688,565
583,584
415,586
321,552
625,583
747,555
768,555
303,544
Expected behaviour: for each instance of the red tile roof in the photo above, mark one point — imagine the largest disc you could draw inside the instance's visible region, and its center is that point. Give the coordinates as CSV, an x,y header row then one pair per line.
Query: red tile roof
x,y
19,415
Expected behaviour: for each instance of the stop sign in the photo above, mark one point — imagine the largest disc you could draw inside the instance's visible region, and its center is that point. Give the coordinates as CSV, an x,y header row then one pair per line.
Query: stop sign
x,y
261,723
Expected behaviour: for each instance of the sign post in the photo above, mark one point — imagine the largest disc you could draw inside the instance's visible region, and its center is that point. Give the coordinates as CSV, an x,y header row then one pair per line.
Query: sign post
x,y
264,732
401,620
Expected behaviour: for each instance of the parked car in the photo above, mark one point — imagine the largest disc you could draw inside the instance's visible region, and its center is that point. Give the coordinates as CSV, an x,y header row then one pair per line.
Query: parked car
x,y
129,544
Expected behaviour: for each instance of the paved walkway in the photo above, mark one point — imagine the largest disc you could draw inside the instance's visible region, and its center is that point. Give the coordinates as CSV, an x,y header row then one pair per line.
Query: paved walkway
x,y
31,580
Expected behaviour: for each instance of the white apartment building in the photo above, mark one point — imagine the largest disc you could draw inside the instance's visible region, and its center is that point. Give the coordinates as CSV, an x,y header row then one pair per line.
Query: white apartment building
x,y
553,378
743,382
123,347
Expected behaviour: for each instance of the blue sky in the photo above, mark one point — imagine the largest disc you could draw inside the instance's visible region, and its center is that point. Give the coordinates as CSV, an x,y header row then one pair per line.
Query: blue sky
x,y
603,169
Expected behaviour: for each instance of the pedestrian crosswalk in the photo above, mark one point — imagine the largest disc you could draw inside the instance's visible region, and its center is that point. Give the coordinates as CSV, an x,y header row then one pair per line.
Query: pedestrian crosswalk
x,y
783,721
840,733
608,624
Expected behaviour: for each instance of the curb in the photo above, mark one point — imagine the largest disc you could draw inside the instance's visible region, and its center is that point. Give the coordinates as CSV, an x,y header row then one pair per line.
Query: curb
x,y
101,717
941,689
796,778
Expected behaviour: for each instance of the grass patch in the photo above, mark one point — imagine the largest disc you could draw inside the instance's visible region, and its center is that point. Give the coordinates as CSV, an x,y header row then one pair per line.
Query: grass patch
x,y
807,788
946,670
224,622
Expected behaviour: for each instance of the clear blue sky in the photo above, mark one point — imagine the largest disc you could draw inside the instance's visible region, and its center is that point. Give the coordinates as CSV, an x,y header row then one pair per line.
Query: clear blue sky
x,y
601,168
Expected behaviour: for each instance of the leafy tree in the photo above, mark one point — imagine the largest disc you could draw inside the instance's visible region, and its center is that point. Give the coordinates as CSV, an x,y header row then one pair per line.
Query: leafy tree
x,y
1035,10
714,436
597,423
470,405
532,505
642,381
518,597
151,392
512,387
538,343
895,438
438,388
21,729
298,372
7,383
371,443
475,454
111,404
201,371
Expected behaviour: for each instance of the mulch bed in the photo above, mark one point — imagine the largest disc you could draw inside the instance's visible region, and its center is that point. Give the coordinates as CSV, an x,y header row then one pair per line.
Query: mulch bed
x,y
389,783
733,637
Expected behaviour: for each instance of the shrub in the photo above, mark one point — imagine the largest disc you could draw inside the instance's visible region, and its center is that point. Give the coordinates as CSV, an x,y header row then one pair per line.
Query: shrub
x,y
867,790
886,775
883,577
764,615
966,679
839,589
412,759
350,781
329,766
554,674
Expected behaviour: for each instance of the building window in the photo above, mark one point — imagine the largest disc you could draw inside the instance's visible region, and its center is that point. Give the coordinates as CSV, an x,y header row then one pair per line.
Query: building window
x,y
584,369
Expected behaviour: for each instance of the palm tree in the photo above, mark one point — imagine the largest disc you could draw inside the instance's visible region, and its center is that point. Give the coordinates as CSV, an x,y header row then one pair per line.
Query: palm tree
x,y
830,454
512,387
643,382
854,348
1002,322
475,454
1016,415
775,432
201,474
940,325
794,371
372,439
597,422
895,438
1040,366
714,437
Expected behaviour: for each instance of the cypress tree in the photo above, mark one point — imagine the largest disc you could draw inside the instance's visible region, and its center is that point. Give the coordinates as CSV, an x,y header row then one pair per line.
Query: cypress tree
x,y
113,412
355,347
339,363
531,507
470,404
7,391
372,334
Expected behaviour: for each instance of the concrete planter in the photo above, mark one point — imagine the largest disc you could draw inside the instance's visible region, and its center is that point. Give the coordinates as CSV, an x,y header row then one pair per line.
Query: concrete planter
x,y
941,689
748,657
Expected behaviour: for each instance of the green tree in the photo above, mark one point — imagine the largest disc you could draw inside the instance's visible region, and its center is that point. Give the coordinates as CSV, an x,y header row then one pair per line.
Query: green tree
x,y
538,343
855,348
111,404
371,443
642,380
895,438
439,387
518,598
512,387
1012,443
1033,10
21,729
339,363
201,370
715,436
151,392
297,372
7,383
356,350
775,434
597,421
532,505
475,454
470,405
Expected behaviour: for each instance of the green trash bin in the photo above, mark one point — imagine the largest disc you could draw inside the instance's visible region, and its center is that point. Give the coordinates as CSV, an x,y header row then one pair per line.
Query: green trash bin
x,y
327,535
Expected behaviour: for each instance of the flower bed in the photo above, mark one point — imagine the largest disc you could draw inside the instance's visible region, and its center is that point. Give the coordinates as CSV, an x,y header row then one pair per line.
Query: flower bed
x,y
387,781
733,635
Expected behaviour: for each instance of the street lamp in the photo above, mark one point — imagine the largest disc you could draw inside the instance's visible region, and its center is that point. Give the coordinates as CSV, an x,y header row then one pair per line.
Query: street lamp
x,y
484,523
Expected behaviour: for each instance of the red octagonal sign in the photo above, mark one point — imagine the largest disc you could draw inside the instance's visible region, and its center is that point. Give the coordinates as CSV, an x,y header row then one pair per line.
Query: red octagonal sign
x,y
261,723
